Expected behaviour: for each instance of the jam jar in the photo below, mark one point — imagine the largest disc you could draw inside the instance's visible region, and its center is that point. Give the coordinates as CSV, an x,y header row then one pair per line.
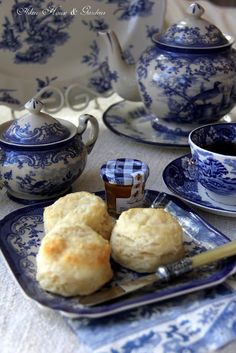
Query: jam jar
x,y
124,180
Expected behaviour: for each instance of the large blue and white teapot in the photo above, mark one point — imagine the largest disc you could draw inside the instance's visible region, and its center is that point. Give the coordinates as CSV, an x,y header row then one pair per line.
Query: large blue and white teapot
x,y
40,156
188,77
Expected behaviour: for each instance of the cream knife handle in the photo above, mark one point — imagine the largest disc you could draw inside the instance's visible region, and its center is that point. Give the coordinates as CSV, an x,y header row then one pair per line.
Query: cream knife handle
x,y
210,256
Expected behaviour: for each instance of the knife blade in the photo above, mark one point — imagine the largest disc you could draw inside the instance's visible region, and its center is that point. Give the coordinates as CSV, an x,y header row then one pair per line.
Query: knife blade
x,y
162,274
120,289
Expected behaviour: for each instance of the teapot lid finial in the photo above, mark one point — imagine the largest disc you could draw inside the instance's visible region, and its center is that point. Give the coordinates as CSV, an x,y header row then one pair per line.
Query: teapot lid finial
x,y
194,32
34,105
195,10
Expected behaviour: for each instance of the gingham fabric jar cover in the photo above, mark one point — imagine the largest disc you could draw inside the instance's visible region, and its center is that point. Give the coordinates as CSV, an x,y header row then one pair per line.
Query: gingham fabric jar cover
x,y
119,171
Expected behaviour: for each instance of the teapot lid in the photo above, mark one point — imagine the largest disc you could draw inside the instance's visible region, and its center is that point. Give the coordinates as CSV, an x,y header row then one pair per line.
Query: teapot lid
x,y
35,128
193,32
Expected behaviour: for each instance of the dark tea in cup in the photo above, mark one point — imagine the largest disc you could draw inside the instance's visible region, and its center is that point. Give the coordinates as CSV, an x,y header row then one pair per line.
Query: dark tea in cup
x,y
225,148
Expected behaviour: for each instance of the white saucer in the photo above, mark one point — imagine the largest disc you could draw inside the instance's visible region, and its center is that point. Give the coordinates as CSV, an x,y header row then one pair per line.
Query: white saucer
x,y
179,178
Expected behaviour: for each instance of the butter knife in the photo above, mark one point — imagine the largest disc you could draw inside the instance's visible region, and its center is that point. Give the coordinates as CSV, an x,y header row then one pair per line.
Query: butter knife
x,y
162,274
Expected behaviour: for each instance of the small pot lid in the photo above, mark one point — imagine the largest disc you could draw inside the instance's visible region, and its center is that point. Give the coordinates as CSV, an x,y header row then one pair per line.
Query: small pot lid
x,y
193,32
35,128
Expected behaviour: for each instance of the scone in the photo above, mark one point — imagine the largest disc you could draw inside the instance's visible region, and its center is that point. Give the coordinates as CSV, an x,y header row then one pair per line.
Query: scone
x,y
82,207
145,238
73,260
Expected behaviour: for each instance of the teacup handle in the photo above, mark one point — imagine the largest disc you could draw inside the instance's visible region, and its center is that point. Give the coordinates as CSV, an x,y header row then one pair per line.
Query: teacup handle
x,y
83,122
1,157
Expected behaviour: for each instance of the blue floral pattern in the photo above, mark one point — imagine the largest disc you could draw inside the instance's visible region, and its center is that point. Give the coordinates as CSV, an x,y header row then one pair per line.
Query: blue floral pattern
x,y
44,82
126,9
193,36
43,172
181,177
46,133
167,132
33,38
171,78
132,120
177,326
96,25
214,171
102,76
6,96
147,99
183,324
23,231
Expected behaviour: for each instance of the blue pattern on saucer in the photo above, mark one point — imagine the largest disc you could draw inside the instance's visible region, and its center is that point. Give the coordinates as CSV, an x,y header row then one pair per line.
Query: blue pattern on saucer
x,y
130,119
180,177
22,230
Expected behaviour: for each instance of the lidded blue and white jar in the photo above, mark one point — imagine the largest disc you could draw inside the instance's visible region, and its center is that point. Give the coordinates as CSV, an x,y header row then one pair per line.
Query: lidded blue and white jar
x,y
124,180
40,156
189,76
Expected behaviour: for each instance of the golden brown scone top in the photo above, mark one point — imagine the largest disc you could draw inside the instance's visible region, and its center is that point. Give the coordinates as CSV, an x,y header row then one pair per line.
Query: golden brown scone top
x,y
145,238
73,260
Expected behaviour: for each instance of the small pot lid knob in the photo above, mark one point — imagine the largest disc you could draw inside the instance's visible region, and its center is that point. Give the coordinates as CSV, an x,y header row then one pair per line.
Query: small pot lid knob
x,y
34,105
195,10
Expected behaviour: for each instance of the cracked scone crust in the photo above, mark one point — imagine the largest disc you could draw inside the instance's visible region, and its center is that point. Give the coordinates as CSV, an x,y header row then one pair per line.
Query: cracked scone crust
x,y
144,239
82,207
73,260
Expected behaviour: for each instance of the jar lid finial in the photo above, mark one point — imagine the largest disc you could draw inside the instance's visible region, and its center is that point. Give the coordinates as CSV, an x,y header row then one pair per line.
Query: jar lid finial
x,y
34,105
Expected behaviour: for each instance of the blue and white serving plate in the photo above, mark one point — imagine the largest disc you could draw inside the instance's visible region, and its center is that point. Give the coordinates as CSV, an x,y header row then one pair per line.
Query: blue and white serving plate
x,y
56,43
179,177
22,230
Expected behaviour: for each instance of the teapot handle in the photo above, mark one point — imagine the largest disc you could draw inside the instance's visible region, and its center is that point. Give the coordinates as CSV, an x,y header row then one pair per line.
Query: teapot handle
x,y
83,121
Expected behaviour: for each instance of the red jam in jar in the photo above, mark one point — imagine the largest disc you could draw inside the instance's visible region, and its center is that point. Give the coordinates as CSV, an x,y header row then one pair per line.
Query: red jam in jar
x,y
124,180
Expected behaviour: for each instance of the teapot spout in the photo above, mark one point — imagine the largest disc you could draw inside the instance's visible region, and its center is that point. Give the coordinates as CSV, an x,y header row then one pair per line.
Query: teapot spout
x,y
124,83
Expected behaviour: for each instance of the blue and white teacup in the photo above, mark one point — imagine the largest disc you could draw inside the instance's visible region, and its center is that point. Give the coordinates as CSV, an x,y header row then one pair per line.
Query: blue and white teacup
x,y
213,150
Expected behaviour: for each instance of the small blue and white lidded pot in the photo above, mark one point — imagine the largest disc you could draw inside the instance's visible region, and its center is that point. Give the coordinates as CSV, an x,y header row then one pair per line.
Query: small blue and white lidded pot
x,y
40,156
124,180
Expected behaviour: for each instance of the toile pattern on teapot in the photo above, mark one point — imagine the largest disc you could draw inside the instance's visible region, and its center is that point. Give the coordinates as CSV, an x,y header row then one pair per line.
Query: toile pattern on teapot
x,y
187,78
40,156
